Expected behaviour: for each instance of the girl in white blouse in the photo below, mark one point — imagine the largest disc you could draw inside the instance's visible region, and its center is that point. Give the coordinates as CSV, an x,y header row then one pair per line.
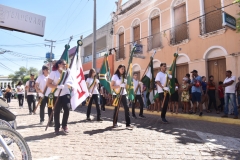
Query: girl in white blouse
x,y
92,84
118,81
53,82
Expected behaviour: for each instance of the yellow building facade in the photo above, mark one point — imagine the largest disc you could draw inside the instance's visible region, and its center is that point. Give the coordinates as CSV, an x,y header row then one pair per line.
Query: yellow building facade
x,y
195,27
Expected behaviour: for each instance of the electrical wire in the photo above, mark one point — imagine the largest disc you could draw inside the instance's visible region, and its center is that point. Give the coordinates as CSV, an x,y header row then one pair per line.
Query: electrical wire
x,y
2,65
11,61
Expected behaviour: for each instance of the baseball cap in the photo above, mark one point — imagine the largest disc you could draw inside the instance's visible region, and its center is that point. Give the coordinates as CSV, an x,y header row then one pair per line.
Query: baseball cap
x,y
194,71
44,67
32,74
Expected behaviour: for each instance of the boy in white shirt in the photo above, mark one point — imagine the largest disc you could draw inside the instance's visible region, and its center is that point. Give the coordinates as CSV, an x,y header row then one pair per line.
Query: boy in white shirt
x,y
163,86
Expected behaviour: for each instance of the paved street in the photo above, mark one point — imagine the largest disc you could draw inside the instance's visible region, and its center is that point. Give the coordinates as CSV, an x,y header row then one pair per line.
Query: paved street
x,y
181,139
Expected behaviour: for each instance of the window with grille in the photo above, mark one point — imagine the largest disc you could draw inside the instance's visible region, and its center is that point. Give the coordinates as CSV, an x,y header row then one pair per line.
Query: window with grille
x,y
155,30
213,20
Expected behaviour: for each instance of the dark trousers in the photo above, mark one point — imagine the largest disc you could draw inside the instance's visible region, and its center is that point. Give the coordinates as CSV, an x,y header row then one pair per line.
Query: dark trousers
x,y
63,103
95,98
20,99
165,105
222,104
31,99
42,108
103,103
126,110
140,100
9,94
212,99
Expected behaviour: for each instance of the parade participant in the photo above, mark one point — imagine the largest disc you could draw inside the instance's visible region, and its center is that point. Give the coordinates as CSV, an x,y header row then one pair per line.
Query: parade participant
x,y
40,87
92,84
31,94
163,86
55,82
138,96
118,81
8,93
103,98
20,93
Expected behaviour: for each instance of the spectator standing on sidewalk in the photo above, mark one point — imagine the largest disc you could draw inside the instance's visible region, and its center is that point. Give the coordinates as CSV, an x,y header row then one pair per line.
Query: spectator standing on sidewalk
x,y
238,91
204,89
221,95
185,95
20,93
196,91
31,94
211,91
8,93
230,94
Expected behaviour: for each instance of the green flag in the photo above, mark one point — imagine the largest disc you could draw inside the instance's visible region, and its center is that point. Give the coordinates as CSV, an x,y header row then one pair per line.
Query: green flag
x,y
104,74
172,72
130,88
65,55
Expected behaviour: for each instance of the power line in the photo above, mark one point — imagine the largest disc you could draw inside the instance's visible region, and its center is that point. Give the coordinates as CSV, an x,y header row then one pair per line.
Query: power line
x,y
11,61
2,65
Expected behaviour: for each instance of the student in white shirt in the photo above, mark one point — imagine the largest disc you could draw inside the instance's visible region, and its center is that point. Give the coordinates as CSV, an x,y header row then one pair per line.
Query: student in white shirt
x,y
92,84
64,98
138,96
31,94
118,81
20,93
162,85
40,88
229,84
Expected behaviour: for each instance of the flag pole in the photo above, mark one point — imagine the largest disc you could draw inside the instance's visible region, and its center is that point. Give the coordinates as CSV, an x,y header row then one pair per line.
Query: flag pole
x,y
45,89
148,64
51,116
121,90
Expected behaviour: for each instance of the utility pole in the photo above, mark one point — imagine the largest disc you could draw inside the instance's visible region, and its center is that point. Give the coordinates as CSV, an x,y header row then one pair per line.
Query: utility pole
x,y
94,37
50,52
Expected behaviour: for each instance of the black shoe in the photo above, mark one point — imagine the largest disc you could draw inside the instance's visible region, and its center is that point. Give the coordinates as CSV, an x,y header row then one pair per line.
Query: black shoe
x,y
30,113
142,116
130,127
99,119
164,120
88,119
224,116
135,117
200,114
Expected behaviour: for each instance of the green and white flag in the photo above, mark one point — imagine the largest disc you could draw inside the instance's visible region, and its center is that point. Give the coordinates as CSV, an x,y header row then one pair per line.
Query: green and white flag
x,y
172,72
130,88
105,75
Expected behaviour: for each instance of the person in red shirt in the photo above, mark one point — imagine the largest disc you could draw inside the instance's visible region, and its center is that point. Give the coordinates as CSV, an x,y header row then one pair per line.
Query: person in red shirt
x,y
221,95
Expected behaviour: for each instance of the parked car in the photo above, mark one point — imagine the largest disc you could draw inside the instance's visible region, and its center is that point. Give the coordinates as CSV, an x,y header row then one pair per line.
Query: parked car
x,y
1,94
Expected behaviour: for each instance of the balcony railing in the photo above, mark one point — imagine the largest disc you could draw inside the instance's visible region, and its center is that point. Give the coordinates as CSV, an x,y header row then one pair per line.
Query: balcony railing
x,y
179,34
98,55
120,53
154,41
211,22
139,47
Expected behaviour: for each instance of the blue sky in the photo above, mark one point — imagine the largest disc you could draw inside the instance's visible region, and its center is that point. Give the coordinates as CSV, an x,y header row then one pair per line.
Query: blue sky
x,y
63,19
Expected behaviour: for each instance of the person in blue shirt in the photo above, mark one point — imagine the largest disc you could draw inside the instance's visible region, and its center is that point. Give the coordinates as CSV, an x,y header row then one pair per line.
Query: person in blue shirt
x,y
196,91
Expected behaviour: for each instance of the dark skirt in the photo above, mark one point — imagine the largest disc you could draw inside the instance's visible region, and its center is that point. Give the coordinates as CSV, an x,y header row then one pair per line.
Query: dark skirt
x,y
174,97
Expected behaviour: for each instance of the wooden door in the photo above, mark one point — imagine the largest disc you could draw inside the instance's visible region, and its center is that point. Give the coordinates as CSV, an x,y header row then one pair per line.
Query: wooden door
x,y
213,20
217,68
121,46
155,29
136,34
181,71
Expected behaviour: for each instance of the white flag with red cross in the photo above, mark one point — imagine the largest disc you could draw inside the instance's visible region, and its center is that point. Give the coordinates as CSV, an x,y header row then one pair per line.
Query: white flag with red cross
x,y
76,80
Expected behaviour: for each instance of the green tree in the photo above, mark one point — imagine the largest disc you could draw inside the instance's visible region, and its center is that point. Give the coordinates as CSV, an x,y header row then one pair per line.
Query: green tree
x,y
22,73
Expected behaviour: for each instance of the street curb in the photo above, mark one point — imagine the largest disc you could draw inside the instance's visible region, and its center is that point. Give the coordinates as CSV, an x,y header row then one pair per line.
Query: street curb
x,y
189,116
